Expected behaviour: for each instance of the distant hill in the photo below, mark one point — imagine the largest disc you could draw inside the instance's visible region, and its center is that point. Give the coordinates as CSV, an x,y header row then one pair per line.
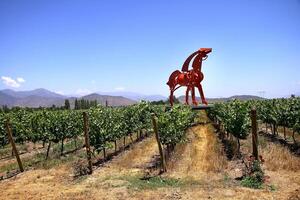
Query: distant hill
x,y
37,92
214,100
111,100
33,98
6,99
246,97
155,98
38,101
45,98
135,96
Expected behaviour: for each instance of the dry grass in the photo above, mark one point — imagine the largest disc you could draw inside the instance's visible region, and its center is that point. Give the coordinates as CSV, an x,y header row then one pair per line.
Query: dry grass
x,y
279,158
276,156
202,153
214,157
139,155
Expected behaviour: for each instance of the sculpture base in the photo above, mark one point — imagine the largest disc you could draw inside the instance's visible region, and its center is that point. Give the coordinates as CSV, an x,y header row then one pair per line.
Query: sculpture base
x,y
199,107
202,107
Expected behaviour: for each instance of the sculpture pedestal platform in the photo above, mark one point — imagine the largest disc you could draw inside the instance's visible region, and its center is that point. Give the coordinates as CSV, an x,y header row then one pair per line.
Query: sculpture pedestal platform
x,y
202,107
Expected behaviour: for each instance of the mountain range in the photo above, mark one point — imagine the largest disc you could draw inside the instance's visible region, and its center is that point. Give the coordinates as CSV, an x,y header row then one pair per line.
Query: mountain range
x,y
45,98
134,96
223,99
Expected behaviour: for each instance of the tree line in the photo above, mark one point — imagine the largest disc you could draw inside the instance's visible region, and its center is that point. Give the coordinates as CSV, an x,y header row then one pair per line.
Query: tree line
x,y
78,105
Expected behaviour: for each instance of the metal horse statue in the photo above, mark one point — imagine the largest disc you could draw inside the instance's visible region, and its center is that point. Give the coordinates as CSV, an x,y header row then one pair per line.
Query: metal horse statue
x,y
189,78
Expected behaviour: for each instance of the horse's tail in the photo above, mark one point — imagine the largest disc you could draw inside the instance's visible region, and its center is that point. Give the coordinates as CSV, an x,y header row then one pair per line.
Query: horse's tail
x,y
172,78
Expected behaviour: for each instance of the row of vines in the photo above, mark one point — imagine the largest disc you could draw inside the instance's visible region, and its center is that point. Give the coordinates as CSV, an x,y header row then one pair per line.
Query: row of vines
x,y
234,116
172,125
106,124
280,112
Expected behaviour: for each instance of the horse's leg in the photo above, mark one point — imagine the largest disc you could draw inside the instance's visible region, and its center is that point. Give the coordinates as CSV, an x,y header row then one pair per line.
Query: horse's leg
x,y
187,95
171,97
193,97
201,94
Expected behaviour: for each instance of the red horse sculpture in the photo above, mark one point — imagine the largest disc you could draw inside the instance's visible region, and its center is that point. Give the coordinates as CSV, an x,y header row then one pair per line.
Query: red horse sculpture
x,y
189,78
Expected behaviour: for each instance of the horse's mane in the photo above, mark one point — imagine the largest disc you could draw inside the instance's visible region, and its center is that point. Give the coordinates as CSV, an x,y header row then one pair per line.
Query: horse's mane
x,y
196,55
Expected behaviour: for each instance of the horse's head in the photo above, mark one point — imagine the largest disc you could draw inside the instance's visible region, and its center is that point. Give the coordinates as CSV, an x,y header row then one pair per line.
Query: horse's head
x,y
204,52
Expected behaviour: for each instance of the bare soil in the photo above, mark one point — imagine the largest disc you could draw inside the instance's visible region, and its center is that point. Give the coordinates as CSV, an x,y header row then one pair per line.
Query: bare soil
x,y
200,164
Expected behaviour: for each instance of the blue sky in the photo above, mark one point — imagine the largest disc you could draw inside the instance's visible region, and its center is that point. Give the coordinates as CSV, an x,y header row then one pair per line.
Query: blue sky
x,y
87,46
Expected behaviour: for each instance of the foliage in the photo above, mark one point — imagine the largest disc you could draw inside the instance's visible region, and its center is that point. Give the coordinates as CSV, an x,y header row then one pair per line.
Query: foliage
x,y
106,124
173,123
110,124
251,182
3,135
234,115
67,104
156,182
253,175
84,104
237,119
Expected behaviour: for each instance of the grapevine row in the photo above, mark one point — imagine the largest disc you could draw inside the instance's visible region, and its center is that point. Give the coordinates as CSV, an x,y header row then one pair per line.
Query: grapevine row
x,y
106,124
234,116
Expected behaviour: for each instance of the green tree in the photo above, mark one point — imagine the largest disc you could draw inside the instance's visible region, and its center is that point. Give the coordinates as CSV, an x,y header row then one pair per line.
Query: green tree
x,y
76,107
5,108
82,104
67,104
53,107
86,104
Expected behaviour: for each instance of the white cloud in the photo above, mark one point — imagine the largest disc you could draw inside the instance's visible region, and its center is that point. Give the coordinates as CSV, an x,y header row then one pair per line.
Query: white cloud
x,y
10,82
20,80
83,92
120,88
60,92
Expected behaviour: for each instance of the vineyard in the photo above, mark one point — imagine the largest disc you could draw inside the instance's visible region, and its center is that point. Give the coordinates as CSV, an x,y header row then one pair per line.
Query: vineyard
x,y
234,117
121,137
106,125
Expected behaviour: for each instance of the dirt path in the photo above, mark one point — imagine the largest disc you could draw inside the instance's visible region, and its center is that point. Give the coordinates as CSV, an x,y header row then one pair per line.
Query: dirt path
x,y
200,155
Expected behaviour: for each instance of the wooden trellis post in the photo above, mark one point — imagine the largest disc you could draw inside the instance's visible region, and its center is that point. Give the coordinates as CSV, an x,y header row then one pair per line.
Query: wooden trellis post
x,y
87,141
162,156
254,133
12,142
